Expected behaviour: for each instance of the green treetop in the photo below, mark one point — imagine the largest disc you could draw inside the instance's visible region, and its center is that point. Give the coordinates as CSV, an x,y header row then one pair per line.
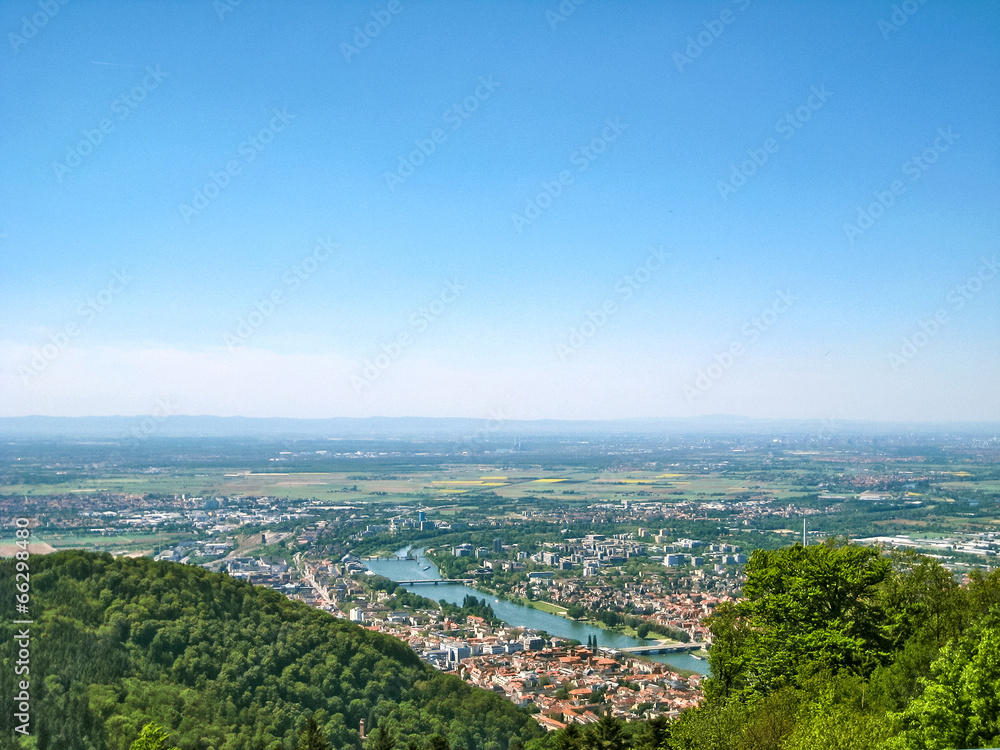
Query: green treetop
x,y
152,737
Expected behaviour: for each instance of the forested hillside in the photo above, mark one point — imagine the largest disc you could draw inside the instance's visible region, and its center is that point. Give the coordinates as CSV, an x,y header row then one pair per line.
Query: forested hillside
x,y
837,647
221,665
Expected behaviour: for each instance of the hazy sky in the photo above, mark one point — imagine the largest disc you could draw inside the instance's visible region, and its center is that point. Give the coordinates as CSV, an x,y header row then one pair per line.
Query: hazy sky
x,y
500,209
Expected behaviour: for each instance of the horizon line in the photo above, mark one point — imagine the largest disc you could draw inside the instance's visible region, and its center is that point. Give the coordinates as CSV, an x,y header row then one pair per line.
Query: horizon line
x,y
503,420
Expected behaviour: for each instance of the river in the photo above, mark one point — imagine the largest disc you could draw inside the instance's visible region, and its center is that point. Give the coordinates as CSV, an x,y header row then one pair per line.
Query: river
x,y
401,569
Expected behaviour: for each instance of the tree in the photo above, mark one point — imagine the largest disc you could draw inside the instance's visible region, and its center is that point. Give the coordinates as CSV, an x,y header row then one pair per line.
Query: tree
x,y
568,738
960,705
312,737
654,734
838,718
609,618
437,742
726,657
606,734
381,739
715,725
806,609
152,737
922,593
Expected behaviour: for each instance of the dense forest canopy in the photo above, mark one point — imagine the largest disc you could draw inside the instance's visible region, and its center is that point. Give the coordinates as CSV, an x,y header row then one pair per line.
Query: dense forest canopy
x,y
120,643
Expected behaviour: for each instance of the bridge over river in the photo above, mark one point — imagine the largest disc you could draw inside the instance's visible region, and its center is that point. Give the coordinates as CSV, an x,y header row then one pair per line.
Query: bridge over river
x,y
436,581
662,647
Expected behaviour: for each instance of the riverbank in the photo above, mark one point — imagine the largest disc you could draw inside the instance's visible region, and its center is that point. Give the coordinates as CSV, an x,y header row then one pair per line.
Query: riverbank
x,y
625,630
688,649
544,607
557,609
515,611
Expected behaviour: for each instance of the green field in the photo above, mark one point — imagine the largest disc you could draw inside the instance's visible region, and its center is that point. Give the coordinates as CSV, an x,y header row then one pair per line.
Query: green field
x,y
127,541
417,486
554,609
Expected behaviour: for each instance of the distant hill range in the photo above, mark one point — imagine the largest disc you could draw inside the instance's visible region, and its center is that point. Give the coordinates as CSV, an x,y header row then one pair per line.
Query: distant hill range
x,y
181,426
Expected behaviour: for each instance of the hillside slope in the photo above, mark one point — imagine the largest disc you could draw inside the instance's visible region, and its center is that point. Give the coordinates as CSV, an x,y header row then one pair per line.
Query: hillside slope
x,y
221,664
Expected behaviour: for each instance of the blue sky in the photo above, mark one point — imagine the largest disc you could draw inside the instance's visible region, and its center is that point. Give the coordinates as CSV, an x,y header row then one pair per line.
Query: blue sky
x,y
691,166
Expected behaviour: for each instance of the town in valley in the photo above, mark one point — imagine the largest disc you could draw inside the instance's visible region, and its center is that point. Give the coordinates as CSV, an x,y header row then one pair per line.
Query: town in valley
x,y
570,573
